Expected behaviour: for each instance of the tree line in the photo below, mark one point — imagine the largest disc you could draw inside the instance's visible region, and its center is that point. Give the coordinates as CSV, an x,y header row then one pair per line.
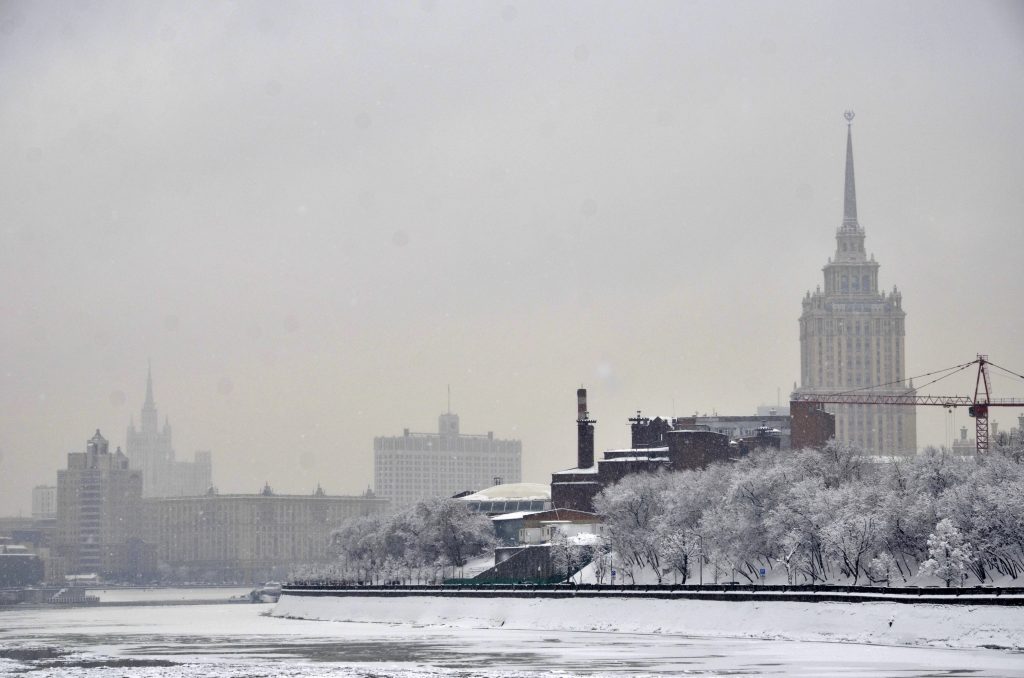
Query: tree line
x,y
423,544
831,515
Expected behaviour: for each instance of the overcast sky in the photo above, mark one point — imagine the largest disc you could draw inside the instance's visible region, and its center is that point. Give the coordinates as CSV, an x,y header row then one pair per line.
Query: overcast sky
x,y
312,217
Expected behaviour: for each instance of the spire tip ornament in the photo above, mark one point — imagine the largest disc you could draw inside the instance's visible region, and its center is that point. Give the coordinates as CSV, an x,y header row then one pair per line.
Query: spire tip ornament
x,y
850,197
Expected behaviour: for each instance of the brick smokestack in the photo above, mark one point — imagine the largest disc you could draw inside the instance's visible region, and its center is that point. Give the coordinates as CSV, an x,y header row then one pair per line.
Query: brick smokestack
x,y
584,432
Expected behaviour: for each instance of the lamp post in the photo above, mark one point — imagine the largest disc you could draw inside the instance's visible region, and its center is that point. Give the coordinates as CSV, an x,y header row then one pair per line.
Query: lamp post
x,y
700,541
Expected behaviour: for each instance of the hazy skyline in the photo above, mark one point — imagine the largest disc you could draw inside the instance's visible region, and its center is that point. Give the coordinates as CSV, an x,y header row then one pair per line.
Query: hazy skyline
x,y
313,217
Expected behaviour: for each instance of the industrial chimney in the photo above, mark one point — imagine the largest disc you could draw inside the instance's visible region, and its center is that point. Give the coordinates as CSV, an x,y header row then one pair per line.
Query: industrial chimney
x,y
584,432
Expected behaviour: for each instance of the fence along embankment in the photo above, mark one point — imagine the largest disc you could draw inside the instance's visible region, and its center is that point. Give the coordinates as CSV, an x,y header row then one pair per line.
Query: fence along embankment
x,y
1005,596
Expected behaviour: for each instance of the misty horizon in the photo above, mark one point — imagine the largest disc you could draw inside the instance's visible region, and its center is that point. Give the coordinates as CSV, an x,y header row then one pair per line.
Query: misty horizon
x,y
313,219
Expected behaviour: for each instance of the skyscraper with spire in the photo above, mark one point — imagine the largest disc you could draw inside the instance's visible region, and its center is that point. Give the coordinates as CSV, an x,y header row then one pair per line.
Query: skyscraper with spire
x,y
852,338
151,451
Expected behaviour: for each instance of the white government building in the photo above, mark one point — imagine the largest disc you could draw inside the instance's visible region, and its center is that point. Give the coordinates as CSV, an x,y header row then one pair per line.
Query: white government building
x,y
416,466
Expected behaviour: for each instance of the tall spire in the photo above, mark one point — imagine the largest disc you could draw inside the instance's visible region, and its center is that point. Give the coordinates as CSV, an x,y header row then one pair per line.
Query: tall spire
x,y
149,404
850,195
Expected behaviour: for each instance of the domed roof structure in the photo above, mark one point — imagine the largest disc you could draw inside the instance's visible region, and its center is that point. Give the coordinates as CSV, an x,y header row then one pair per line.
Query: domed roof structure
x,y
513,492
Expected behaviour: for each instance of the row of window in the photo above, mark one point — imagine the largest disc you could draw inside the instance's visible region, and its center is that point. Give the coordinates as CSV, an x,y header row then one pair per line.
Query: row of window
x,y
879,326
506,506
447,444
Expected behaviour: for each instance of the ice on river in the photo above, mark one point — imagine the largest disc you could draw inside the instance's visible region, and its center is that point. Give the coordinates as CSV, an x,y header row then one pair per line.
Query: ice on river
x,y
237,640
165,595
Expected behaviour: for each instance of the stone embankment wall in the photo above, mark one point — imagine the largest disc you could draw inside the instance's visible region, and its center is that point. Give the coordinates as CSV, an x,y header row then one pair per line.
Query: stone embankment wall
x,y
974,621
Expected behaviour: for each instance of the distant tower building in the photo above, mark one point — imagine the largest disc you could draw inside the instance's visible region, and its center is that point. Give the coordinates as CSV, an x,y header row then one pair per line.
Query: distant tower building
x,y
852,336
151,451
963,445
416,466
98,511
149,448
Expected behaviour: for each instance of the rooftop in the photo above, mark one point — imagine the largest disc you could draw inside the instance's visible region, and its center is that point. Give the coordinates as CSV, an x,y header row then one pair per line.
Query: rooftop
x,y
574,471
512,492
637,458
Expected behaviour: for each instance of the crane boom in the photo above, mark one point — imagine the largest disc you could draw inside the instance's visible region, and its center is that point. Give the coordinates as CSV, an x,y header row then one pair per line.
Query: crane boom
x,y
977,406
870,399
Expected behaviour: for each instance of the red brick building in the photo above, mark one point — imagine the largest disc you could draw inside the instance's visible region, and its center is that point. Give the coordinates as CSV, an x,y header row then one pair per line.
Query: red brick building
x,y
677,445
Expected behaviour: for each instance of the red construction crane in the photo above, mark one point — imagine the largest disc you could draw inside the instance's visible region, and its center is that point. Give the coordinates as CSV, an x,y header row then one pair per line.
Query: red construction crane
x,y
977,406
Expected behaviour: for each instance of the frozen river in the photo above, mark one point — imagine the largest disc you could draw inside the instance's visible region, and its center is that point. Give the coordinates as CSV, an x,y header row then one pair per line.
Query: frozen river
x,y
239,640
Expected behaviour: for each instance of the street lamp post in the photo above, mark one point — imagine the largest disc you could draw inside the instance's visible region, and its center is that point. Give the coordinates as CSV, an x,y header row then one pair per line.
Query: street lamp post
x,y
700,541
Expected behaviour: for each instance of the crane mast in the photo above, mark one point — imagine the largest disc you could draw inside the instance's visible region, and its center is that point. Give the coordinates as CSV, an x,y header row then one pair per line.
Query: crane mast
x,y
979,410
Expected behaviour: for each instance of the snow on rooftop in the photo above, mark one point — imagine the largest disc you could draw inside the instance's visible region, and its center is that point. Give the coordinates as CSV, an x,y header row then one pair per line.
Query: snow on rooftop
x,y
512,492
585,539
515,515
617,459
592,469
640,450
477,565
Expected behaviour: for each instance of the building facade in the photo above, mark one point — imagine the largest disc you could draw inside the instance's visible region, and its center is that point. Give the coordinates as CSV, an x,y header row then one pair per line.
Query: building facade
x,y
44,502
852,339
739,427
151,451
247,538
679,444
417,466
98,520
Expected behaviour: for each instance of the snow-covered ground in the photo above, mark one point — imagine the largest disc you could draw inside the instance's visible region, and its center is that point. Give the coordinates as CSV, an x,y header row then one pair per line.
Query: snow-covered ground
x,y
887,623
241,641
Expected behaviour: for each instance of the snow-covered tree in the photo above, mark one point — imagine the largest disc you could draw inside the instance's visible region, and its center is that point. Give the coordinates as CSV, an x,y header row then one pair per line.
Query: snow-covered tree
x,y
840,464
679,550
629,508
935,470
883,569
415,544
949,555
852,533
602,560
453,532
988,508
825,516
796,525
567,555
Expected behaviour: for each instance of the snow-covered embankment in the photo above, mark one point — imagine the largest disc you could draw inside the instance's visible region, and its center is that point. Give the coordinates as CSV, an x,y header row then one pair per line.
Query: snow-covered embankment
x,y
879,623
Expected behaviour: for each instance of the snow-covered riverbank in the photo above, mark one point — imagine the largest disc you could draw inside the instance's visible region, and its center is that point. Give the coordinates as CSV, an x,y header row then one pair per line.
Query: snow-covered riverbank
x,y
885,623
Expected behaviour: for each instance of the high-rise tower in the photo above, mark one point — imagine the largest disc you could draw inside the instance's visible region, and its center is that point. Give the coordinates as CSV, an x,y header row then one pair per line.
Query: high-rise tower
x,y
149,448
98,513
151,451
852,338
